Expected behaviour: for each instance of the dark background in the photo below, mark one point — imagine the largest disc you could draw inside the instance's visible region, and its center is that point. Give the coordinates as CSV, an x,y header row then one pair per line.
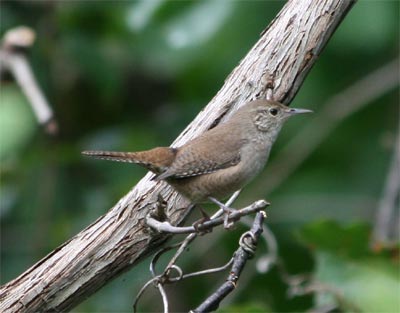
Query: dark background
x,y
130,75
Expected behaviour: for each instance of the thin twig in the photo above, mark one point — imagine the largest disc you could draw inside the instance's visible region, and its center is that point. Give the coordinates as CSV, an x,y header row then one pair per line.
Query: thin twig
x,y
160,253
267,260
141,291
305,286
165,276
386,228
163,296
192,236
209,271
245,251
234,216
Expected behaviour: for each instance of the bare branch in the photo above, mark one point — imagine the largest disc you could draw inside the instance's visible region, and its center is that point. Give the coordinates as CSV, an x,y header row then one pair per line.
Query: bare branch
x,y
265,262
386,228
207,225
248,243
13,59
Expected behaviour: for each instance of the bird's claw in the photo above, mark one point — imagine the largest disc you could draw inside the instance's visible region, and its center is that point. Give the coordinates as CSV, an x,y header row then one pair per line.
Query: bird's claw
x,y
197,224
228,211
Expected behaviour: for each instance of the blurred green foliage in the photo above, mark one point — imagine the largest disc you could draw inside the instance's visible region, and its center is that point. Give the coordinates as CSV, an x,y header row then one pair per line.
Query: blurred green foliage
x,y
366,281
129,75
14,132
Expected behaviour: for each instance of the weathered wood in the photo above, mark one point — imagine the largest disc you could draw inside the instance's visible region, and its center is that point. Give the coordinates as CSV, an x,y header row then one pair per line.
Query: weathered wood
x,y
118,240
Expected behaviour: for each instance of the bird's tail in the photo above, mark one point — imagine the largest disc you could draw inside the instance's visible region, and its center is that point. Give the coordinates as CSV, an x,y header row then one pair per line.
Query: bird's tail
x,y
130,157
155,160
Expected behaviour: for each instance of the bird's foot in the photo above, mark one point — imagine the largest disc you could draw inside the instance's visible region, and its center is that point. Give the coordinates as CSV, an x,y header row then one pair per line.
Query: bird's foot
x,y
228,211
197,224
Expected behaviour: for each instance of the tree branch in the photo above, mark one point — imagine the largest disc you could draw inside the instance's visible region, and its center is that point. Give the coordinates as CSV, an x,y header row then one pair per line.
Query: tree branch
x,y
120,239
245,252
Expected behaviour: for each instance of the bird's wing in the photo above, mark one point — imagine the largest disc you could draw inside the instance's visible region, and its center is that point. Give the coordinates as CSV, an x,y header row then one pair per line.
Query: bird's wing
x,y
202,156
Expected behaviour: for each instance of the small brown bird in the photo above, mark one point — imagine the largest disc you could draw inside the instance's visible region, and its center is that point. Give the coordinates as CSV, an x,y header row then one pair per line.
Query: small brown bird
x,y
221,160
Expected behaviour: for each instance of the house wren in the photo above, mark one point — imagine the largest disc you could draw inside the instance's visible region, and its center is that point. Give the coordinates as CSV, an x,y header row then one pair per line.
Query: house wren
x,y
221,160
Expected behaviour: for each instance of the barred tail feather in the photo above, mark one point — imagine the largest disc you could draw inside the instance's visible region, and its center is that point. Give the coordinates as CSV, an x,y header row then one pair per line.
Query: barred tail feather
x,y
129,157
156,160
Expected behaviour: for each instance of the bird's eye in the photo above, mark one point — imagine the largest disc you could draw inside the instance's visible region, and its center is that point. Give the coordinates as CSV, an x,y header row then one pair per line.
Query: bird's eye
x,y
273,111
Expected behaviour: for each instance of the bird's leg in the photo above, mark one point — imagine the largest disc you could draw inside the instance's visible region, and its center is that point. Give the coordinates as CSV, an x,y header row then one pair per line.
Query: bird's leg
x,y
200,221
227,210
205,217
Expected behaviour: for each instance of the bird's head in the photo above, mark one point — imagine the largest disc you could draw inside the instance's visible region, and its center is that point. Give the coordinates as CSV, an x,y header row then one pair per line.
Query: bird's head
x,y
270,115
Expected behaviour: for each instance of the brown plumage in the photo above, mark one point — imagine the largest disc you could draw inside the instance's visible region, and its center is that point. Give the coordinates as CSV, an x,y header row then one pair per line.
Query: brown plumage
x,y
219,161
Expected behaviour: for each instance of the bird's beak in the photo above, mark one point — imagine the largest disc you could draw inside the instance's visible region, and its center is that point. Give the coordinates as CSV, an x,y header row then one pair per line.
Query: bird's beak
x,y
298,111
